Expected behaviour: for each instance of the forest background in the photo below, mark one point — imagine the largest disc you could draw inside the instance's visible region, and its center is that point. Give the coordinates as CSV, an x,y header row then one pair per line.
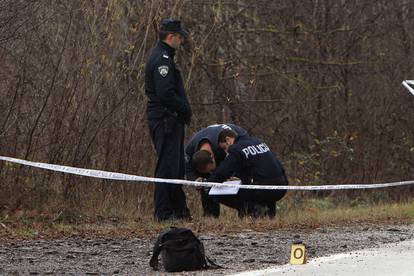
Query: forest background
x,y
318,80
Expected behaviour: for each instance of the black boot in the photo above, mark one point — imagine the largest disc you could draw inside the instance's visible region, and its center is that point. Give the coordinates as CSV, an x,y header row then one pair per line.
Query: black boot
x,y
272,210
262,210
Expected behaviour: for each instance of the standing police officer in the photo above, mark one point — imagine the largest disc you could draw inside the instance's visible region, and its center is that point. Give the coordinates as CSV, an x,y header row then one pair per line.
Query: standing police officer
x,y
207,139
168,110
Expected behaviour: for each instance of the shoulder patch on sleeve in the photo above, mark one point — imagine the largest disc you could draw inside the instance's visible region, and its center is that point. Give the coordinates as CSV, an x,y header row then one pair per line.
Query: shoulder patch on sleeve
x,y
163,70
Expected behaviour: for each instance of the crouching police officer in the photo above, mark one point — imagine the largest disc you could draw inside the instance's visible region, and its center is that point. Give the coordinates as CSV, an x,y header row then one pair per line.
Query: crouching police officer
x,y
168,110
252,161
207,139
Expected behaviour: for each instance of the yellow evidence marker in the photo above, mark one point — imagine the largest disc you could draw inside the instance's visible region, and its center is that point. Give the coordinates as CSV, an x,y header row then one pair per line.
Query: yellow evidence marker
x,y
298,253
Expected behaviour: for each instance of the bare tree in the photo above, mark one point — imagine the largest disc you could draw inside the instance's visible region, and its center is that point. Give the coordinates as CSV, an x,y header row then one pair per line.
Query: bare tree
x,y
318,80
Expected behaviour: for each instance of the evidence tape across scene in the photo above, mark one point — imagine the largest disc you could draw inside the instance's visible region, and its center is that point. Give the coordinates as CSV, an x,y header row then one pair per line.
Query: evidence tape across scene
x,y
129,177
409,84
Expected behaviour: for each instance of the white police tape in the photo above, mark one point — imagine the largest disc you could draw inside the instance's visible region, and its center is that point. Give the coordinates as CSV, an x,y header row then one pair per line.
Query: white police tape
x,y
409,84
129,177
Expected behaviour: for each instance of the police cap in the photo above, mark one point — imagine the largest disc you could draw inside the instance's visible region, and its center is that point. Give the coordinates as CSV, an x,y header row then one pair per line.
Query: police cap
x,y
174,26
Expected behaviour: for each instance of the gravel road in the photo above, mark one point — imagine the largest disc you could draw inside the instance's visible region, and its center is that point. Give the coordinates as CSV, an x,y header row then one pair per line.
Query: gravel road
x,y
247,250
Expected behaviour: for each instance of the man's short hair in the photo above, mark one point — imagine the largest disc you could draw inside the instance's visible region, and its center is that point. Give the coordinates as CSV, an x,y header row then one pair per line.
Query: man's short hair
x,y
201,159
226,133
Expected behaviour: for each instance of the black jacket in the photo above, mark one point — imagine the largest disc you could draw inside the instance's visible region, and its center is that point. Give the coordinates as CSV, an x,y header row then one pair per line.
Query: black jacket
x,y
211,134
164,86
252,161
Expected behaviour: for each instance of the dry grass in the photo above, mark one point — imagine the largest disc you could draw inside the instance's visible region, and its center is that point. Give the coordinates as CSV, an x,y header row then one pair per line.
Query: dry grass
x,y
310,213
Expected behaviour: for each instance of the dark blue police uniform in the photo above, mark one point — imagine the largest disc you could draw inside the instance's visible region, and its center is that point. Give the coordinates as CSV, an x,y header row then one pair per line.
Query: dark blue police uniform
x,y
168,110
209,134
254,163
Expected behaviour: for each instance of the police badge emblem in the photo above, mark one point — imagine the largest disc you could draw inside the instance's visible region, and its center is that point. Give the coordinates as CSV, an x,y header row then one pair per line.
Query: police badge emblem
x,y
163,70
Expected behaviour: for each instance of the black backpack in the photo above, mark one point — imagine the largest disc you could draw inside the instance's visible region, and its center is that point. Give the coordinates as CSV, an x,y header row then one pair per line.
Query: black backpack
x,y
180,250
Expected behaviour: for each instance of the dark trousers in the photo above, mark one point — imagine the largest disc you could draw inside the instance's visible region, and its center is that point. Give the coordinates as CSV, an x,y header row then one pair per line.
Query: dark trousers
x,y
211,208
248,202
168,140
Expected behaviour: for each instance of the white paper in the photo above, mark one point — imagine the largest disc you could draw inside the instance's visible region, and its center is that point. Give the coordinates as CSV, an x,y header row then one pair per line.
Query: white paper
x,y
225,190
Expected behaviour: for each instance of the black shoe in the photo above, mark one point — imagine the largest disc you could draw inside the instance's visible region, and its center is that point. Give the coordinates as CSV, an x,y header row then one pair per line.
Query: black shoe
x,y
272,210
262,211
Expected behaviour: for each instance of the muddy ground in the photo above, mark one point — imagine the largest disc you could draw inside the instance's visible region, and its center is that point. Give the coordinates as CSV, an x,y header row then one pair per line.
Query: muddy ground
x,y
235,251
